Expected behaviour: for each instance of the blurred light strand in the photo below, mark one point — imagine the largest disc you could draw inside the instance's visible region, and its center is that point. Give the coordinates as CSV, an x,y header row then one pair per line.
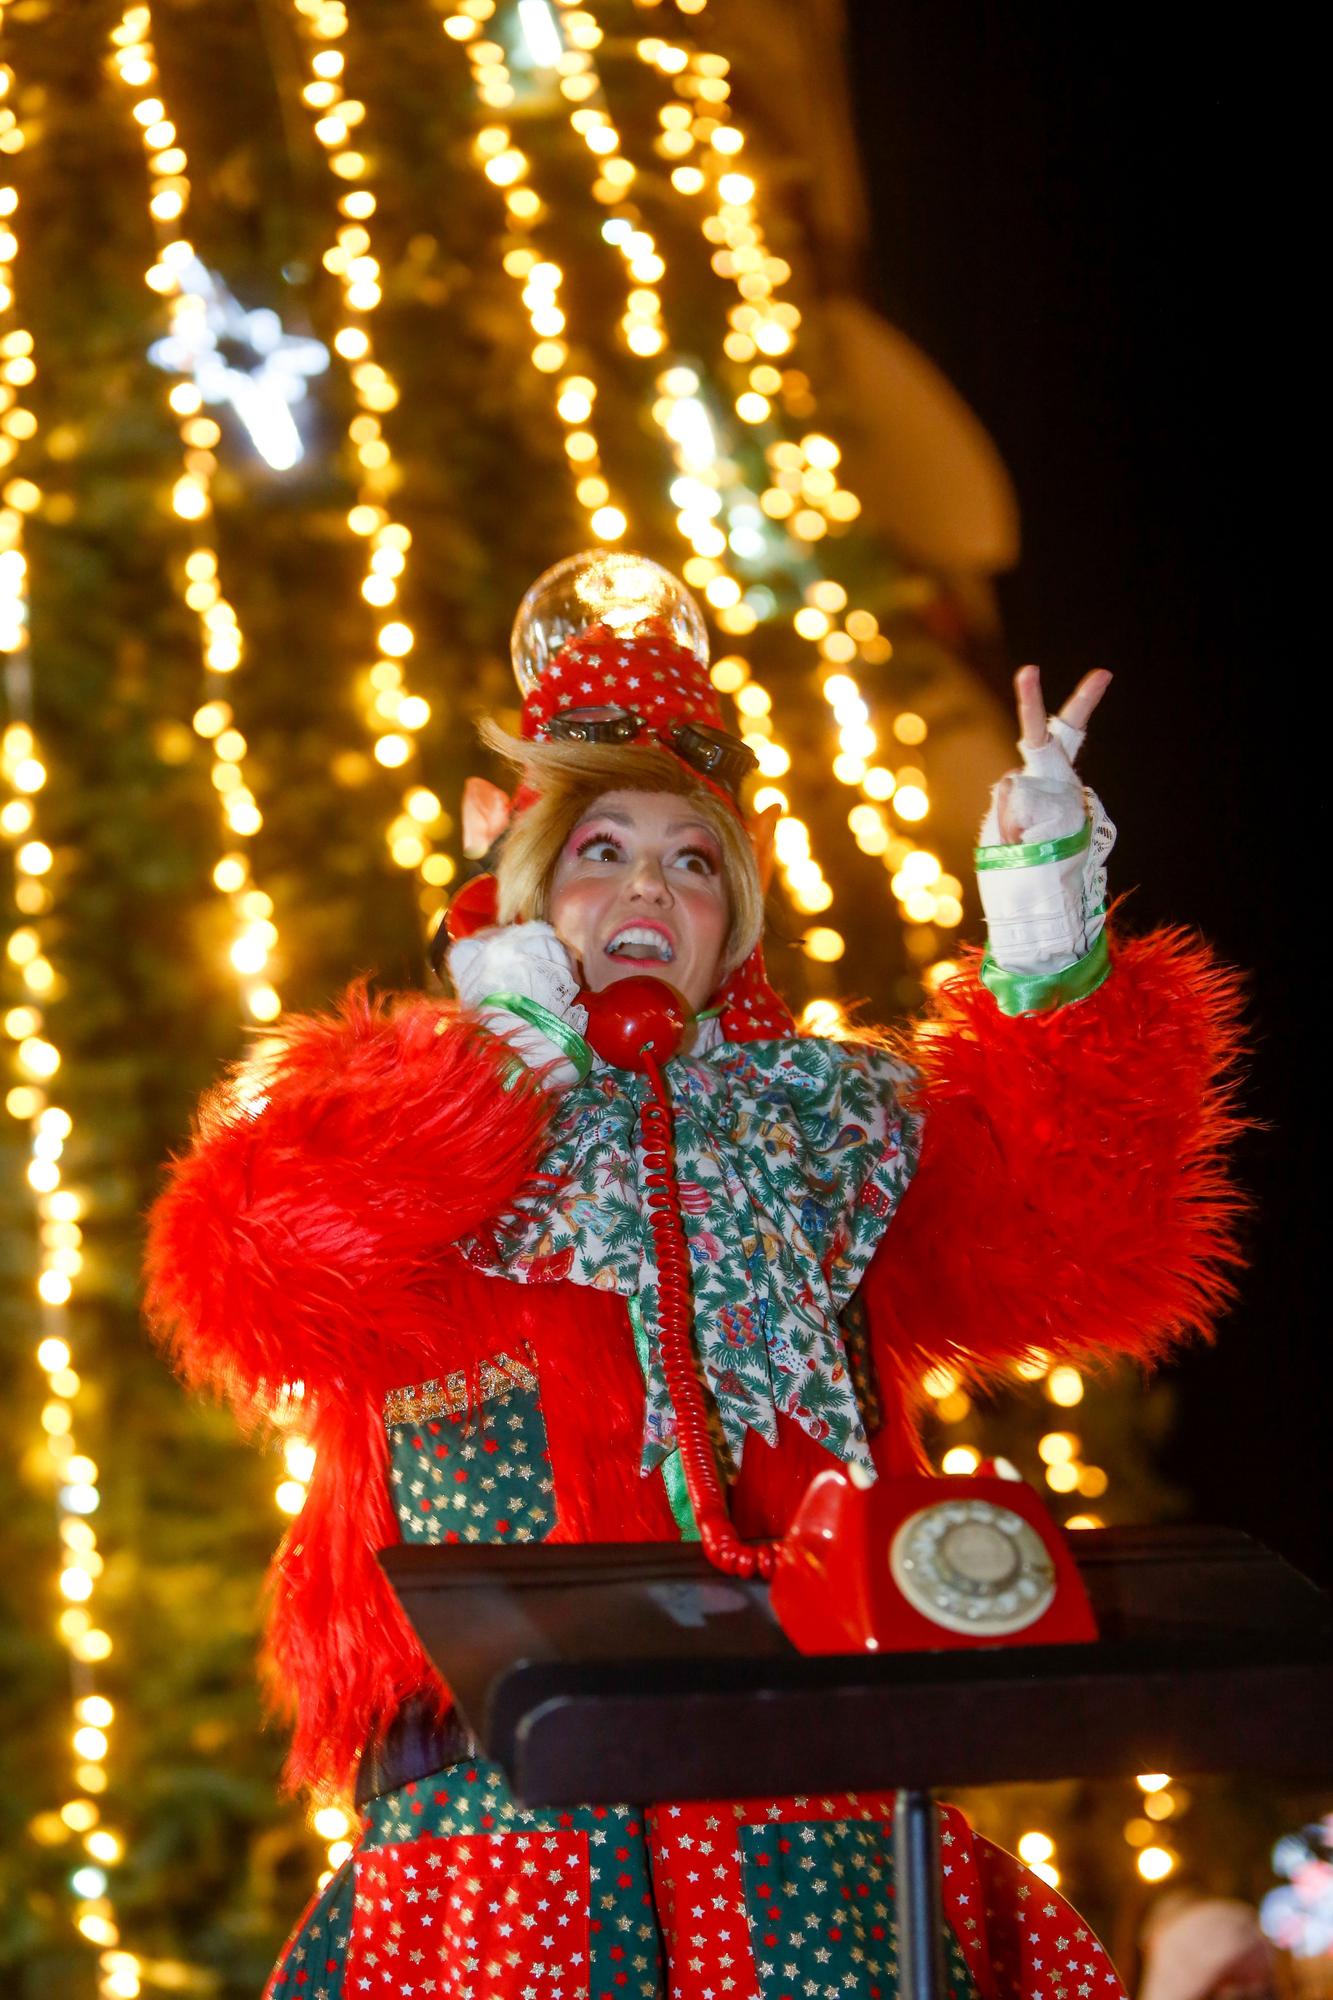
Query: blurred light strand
x,y
395,712
30,1101
181,281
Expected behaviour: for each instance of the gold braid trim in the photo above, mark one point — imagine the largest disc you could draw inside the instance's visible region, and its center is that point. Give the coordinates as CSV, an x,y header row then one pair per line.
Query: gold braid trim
x,y
495,1378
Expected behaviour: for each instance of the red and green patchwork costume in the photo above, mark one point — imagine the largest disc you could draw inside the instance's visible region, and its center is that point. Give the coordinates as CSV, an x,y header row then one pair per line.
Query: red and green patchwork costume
x,y
452,1265
457,1893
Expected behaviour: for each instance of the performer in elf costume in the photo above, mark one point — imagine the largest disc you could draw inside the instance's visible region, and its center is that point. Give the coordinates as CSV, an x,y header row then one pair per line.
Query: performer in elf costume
x,y
434,1217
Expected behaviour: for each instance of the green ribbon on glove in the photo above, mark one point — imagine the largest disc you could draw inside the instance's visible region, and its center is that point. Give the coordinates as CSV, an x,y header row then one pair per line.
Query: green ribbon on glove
x,y
1041,993
1032,853
566,1039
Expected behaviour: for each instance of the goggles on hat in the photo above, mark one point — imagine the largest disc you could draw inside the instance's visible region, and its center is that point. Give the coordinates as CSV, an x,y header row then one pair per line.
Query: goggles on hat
x,y
712,752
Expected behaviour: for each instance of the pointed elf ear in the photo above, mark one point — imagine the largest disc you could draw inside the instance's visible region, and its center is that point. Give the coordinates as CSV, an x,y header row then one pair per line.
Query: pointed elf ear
x,y
485,816
763,828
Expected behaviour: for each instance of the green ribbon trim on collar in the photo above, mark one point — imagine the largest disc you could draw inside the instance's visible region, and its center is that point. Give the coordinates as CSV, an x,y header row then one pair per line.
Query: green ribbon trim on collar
x,y
1042,993
555,1030
1032,853
673,1472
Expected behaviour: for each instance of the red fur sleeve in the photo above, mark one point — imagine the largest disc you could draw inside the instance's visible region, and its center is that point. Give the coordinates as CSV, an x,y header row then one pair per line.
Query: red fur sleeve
x,y
1072,1193
324,1180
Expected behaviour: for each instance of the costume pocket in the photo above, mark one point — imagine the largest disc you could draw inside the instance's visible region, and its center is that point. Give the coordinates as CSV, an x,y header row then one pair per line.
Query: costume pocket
x,y
469,1461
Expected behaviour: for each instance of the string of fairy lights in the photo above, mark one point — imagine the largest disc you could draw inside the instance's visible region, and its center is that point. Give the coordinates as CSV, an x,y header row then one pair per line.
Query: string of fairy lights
x,y
31,1102
395,712
540,280
178,279
393,709
1161,1799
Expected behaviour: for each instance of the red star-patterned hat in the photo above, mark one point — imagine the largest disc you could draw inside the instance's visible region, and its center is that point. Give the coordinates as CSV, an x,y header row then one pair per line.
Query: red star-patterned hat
x,y
611,648
616,635
645,671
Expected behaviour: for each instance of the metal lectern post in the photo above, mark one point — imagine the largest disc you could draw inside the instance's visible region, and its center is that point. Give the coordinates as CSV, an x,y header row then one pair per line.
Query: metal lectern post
x,y
916,1871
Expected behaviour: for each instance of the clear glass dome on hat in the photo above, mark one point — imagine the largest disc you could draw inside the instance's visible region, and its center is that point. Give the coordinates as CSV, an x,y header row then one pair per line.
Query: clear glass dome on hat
x,y
601,587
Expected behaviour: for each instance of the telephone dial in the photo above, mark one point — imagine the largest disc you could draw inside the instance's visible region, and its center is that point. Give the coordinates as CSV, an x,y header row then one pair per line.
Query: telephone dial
x,y
893,1564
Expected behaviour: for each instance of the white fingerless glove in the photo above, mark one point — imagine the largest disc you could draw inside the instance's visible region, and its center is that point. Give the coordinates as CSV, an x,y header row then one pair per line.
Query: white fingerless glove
x,y
1044,899
526,965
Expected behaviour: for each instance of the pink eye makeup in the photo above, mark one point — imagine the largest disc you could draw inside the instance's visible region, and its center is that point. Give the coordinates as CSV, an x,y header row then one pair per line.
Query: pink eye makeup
x,y
589,838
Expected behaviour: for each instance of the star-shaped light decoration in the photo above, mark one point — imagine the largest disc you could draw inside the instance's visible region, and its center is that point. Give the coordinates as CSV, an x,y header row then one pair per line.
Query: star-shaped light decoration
x,y
240,357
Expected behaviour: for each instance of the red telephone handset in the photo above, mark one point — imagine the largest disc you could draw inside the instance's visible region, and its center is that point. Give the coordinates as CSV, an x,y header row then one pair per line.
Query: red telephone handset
x,y
893,1565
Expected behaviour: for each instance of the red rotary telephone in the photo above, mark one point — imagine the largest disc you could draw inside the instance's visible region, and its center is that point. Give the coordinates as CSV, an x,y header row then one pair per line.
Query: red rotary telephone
x,y
892,1565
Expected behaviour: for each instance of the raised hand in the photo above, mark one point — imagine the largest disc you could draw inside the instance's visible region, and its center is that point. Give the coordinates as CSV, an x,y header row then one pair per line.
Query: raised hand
x,y
1049,745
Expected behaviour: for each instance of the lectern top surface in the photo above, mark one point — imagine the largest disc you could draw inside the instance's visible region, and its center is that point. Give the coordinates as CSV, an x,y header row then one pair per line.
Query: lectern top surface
x,y
632,1671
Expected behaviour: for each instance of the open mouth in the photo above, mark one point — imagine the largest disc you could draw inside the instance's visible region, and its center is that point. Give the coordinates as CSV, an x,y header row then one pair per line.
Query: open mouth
x,y
642,942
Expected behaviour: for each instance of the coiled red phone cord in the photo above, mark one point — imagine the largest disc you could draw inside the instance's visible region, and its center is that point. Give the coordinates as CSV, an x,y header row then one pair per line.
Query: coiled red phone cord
x,y
721,1544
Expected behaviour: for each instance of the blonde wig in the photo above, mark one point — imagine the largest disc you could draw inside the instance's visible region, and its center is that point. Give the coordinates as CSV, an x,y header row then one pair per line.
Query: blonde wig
x,y
568,779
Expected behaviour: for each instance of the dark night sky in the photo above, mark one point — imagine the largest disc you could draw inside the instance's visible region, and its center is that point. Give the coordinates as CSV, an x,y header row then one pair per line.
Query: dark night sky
x,y
1084,218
